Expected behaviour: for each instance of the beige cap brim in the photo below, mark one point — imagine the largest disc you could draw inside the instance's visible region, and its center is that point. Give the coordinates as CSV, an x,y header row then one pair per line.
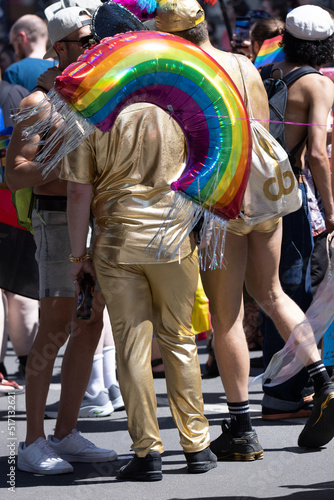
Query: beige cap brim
x,y
50,54
150,24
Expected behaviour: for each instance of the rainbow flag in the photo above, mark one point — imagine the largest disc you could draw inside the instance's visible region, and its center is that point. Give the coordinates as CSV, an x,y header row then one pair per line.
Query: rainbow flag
x,y
270,52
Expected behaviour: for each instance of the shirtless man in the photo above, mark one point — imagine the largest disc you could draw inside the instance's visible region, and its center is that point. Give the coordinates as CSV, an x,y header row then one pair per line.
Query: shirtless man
x,y
310,99
252,255
69,31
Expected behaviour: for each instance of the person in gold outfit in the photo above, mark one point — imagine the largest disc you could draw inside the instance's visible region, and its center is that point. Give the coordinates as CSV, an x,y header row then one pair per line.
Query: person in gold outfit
x,y
252,252
125,177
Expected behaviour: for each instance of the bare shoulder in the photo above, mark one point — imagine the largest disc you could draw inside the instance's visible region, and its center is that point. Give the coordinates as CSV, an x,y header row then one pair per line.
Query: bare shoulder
x,y
315,88
318,83
29,111
233,64
32,99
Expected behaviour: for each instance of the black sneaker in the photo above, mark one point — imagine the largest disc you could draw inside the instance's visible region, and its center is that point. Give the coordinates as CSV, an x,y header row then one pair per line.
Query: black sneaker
x,y
201,461
319,429
142,468
244,448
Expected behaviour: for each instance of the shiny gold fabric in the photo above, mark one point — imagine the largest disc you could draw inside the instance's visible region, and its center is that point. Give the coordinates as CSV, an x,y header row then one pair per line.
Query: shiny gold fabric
x,y
240,228
142,299
136,163
131,169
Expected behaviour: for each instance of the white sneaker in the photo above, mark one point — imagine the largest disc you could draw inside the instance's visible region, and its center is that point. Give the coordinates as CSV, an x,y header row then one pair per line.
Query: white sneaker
x,y
40,458
75,448
116,397
96,406
91,406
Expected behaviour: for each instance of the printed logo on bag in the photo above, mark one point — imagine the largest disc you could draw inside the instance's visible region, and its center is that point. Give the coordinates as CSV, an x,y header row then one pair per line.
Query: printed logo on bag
x,y
279,180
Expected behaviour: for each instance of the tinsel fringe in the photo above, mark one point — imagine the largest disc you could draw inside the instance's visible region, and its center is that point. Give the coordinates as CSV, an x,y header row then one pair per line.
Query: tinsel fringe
x,y
57,114
70,129
212,233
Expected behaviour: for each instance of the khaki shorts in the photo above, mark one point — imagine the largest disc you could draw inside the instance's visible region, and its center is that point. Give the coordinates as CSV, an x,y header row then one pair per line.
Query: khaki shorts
x,y
240,228
53,248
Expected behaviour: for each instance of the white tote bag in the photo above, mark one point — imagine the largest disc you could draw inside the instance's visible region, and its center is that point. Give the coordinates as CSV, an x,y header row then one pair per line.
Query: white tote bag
x,y
272,190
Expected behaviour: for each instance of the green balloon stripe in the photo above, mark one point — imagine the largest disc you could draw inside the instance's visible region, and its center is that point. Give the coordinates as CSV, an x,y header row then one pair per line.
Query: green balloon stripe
x,y
217,91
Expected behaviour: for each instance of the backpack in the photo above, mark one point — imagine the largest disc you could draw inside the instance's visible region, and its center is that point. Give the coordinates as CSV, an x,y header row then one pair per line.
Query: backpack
x,y
277,91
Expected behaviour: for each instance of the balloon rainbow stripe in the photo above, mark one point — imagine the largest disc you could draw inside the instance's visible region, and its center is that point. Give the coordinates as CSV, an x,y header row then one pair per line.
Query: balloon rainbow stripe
x,y
177,76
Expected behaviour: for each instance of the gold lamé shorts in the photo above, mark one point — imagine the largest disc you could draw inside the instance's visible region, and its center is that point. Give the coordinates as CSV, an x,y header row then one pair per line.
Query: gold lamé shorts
x,y
240,228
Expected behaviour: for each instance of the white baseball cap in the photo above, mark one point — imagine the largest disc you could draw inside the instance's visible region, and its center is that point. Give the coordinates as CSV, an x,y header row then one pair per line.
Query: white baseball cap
x,y
90,5
63,23
309,22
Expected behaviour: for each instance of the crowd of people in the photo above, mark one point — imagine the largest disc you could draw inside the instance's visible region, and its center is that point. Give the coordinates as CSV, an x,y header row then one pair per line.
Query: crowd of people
x,y
95,214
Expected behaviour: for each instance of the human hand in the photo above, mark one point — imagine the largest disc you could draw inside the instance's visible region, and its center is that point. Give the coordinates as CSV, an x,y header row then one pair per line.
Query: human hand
x,y
78,270
244,48
46,80
329,221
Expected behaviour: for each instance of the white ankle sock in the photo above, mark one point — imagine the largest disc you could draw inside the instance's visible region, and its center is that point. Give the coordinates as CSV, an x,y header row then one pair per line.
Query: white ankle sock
x,y
96,382
109,366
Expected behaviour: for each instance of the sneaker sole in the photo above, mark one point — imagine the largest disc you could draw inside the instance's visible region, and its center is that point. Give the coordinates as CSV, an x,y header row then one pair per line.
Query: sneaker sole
x,y
50,414
96,411
286,416
327,430
200,467
241,457
111,457
118,404
86,412
46,472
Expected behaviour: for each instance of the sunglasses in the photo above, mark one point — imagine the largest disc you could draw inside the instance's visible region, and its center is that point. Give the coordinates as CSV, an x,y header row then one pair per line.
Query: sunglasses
x,y
85,42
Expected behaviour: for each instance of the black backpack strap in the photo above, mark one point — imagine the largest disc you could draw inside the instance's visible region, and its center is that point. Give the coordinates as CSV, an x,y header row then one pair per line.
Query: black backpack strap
x,y
266,71
298,73
289,79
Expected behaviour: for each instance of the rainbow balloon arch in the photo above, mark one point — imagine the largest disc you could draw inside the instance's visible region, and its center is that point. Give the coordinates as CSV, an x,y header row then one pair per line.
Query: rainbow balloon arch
x,y
169,72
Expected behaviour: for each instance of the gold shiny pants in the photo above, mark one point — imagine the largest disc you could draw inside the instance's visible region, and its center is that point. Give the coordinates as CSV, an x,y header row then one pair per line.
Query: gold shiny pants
x,y
142,298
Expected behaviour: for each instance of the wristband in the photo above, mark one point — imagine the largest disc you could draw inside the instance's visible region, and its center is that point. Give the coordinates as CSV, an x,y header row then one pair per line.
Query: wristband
x,y
83,258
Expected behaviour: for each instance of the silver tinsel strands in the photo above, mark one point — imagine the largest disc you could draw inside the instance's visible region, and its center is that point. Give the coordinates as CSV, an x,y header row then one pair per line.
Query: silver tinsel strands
x,y
212,233
61,128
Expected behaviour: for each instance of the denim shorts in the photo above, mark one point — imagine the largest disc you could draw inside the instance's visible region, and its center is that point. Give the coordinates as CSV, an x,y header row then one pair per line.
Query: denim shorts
x,y
52,254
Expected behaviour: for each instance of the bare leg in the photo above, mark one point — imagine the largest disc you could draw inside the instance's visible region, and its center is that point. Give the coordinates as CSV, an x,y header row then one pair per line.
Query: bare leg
x,y
54,328
224,288
76,367
108,339
3,326
22,322
265,287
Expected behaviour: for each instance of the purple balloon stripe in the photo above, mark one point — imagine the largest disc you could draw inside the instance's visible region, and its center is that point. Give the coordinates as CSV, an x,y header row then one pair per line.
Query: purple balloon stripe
x,y
189,116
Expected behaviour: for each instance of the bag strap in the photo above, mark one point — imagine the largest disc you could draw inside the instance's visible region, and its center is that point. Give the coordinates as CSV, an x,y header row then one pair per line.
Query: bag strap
x,y
289,79
266,71
298,73
247,101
